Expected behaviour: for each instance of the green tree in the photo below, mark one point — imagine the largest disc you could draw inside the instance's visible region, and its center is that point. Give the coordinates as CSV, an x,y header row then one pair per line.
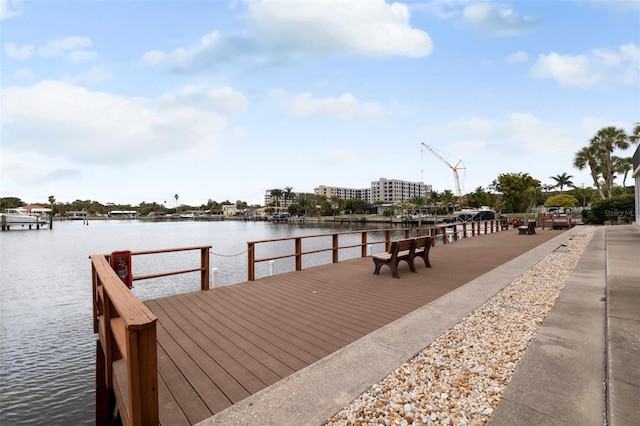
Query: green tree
x,y
449,199
517,190
288,194
276,196
480,197
602,145
561,200
562,180
622,166
590,156
176,197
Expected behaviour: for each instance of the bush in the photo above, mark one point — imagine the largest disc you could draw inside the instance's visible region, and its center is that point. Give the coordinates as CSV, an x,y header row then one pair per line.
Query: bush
x,y
561,200
619,209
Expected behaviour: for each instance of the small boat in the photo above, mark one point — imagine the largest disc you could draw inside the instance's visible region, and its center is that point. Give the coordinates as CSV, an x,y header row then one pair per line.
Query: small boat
x,y
18,216
473,215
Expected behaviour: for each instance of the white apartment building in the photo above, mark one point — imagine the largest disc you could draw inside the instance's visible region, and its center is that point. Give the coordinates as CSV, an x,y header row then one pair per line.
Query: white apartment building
x,y
282,202
343,193
387,190
395,191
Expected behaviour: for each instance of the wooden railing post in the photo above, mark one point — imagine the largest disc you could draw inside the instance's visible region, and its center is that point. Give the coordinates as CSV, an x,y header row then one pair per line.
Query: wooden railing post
x,y
464,229
204,265
335,245
143,376
251,264
455,232
363,240
298,243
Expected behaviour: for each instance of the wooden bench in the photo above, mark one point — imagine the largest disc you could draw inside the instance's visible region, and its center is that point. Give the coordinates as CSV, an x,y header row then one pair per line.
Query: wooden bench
x,y
423,245
528,229
398,251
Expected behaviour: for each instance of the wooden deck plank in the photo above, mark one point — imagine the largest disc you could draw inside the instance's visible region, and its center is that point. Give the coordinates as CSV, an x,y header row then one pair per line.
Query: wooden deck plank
x,y
203,354
170,412
255,333
182,392
286,319
278,331
286,354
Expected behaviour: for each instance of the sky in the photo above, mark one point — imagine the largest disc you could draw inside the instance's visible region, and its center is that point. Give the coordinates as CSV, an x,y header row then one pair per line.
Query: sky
x,y
136,101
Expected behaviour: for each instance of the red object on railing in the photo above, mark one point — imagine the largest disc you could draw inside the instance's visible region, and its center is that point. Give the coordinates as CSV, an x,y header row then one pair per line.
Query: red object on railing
x,y
121,263
516,222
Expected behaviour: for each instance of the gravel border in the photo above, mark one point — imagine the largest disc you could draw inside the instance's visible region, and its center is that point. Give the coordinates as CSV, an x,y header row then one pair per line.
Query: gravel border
x,y
460,378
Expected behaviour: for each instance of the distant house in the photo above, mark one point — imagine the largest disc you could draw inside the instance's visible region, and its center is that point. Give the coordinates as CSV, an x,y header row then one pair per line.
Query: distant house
x,y
123,214
76,215
229,210
37,210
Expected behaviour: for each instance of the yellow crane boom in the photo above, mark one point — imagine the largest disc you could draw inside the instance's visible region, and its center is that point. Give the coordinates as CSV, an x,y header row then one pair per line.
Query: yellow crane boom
x,y
455,168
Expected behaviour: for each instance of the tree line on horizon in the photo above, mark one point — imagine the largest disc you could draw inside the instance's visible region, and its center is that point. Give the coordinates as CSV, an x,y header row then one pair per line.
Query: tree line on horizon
x,y
509,192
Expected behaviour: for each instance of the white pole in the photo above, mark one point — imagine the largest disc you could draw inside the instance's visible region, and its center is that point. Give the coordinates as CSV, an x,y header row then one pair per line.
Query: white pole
x,y
272,267
369,250
214,271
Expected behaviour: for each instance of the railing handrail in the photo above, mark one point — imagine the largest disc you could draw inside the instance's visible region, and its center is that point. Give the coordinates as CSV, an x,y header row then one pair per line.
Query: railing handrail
x,y
203,269
430,230
127,362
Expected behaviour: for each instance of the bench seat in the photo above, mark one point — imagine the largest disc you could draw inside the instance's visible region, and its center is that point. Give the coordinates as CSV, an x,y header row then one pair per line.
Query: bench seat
x,y
398,251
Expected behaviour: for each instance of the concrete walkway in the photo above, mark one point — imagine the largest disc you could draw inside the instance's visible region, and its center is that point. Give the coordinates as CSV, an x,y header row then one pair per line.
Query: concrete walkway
x,y
582,368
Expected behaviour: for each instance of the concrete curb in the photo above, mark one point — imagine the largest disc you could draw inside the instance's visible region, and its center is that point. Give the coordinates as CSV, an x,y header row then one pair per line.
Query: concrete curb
x,y
314,394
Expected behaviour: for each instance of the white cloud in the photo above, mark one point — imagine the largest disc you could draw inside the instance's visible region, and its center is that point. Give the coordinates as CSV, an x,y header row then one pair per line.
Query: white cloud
x,y
355,27
496,20
93,76
224,100
279,31
10,8
56,118
518,57
596,67
344,106
18,52
72,48
24,73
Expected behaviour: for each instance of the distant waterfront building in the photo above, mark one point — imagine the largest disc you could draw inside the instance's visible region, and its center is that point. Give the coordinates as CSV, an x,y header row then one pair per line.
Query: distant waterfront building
x,y
343,193
386,190
395,191
282,202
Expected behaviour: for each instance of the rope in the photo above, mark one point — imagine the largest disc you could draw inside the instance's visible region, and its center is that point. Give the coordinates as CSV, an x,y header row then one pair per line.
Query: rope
x,y
229,255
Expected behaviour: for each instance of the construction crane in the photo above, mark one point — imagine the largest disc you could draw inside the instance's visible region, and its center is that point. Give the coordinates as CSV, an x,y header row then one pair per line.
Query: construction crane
x,y
458,166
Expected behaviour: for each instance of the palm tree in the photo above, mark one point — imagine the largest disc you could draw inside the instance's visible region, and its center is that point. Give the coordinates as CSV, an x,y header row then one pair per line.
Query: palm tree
x,y
622,165
52,201
276,195
562,180
635,136
448,198
590,156
608,139
176,197
288,194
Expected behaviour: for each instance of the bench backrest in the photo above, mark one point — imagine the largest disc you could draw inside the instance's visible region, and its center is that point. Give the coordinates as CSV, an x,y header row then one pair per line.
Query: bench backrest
x,y
402,245
422,242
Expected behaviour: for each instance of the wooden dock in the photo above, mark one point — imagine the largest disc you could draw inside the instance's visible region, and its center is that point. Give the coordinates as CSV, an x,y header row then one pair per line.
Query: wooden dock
x,y
217,347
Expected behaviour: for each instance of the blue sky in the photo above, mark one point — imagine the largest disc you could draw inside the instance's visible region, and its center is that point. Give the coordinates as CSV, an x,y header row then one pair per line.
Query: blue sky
x,y
132,101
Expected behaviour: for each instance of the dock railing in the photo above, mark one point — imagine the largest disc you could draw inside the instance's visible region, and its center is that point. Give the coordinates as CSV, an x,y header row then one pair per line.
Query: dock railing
x,y
445,233
126,349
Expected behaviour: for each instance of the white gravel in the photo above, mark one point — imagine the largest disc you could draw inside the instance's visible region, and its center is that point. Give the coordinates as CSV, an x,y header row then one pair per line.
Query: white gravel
x,y
460,378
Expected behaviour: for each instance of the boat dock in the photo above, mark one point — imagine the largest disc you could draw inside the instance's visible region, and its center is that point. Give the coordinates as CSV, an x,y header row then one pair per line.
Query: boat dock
x,y
294,348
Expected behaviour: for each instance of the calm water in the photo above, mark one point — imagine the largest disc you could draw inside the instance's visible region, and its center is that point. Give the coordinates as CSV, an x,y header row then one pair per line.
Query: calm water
x,y
47,345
